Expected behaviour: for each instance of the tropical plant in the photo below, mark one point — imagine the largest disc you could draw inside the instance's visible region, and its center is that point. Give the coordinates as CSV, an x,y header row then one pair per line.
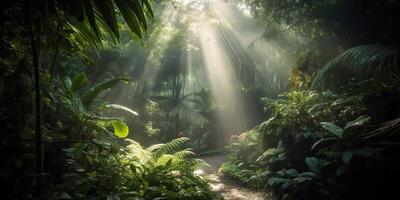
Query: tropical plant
x,y
363,62
82,105
161,171
314,143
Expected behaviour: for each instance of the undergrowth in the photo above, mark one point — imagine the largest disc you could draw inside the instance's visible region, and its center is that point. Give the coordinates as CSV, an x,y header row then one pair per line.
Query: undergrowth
x,y
323,145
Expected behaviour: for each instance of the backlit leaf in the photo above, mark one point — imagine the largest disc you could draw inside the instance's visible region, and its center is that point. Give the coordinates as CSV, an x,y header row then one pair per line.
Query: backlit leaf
x,y
121,130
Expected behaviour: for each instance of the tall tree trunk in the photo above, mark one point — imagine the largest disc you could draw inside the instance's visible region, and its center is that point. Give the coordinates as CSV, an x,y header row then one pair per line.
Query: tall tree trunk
x,y
38,136
35,29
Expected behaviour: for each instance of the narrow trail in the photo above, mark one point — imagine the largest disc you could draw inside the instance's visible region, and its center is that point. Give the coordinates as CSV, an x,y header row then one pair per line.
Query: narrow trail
x,y
223,185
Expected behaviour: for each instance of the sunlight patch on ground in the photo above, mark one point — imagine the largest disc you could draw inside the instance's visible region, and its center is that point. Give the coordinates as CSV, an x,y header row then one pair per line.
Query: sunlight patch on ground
x,y
224,186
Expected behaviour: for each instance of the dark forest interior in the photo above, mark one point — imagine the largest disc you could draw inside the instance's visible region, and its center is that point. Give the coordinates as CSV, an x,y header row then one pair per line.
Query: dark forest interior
x,y
129,99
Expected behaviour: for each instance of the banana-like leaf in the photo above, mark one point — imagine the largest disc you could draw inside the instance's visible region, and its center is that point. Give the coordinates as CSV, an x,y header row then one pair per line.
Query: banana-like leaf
x,y
88,97
139,13
91,17
107,10
148,7
129,16
85,34
98,15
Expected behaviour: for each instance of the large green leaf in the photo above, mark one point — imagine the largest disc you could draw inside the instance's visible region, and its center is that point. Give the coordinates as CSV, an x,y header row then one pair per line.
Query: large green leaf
x,y
148,7
347,156
107,10
331,127
139,12
361,120
312,164
91,17
129,15
88,97
121,130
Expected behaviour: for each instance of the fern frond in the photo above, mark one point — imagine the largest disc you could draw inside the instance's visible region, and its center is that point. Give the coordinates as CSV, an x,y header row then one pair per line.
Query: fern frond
x,y
169,159
136,153
184,153
167,148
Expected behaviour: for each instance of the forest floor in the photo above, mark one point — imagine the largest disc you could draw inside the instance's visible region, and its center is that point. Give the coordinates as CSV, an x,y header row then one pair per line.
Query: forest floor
x,y
224,186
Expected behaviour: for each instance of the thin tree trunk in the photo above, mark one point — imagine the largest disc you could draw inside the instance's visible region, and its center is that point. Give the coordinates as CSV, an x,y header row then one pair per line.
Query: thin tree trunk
x,y
38,136
35,29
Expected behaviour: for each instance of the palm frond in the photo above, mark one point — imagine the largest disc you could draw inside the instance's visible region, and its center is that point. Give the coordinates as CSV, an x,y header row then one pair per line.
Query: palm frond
x,y
272,33
389,128
101,14
361,62
188,114
89,96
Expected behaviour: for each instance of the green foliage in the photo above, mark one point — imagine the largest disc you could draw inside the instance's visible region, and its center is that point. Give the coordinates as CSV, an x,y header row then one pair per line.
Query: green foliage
x,y
120,128
137,172
62,139
102,13
315,144
362,62
93,92
331,127
244,150
85,106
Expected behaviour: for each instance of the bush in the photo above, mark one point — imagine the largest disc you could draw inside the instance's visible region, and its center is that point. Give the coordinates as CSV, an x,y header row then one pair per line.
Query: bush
x,y
321,146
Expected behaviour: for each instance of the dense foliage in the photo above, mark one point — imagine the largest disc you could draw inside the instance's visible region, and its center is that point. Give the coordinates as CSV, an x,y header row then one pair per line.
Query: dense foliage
x,y
70,145
323,145
113,99
160,171
333,135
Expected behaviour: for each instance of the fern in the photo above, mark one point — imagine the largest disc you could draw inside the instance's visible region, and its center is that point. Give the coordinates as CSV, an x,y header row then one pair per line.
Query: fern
x,y
186,153
168,156
137,153
361,62
167,148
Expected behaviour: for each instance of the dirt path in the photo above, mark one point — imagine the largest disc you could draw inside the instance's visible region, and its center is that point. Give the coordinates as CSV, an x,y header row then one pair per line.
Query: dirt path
x,y
225,187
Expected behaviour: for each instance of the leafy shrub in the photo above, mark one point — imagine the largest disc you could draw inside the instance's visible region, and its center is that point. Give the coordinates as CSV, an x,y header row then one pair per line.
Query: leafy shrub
x,y
161,171
322,145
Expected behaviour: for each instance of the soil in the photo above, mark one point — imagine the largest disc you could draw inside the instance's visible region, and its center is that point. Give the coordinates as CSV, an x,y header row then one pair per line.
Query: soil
x,y
224,186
